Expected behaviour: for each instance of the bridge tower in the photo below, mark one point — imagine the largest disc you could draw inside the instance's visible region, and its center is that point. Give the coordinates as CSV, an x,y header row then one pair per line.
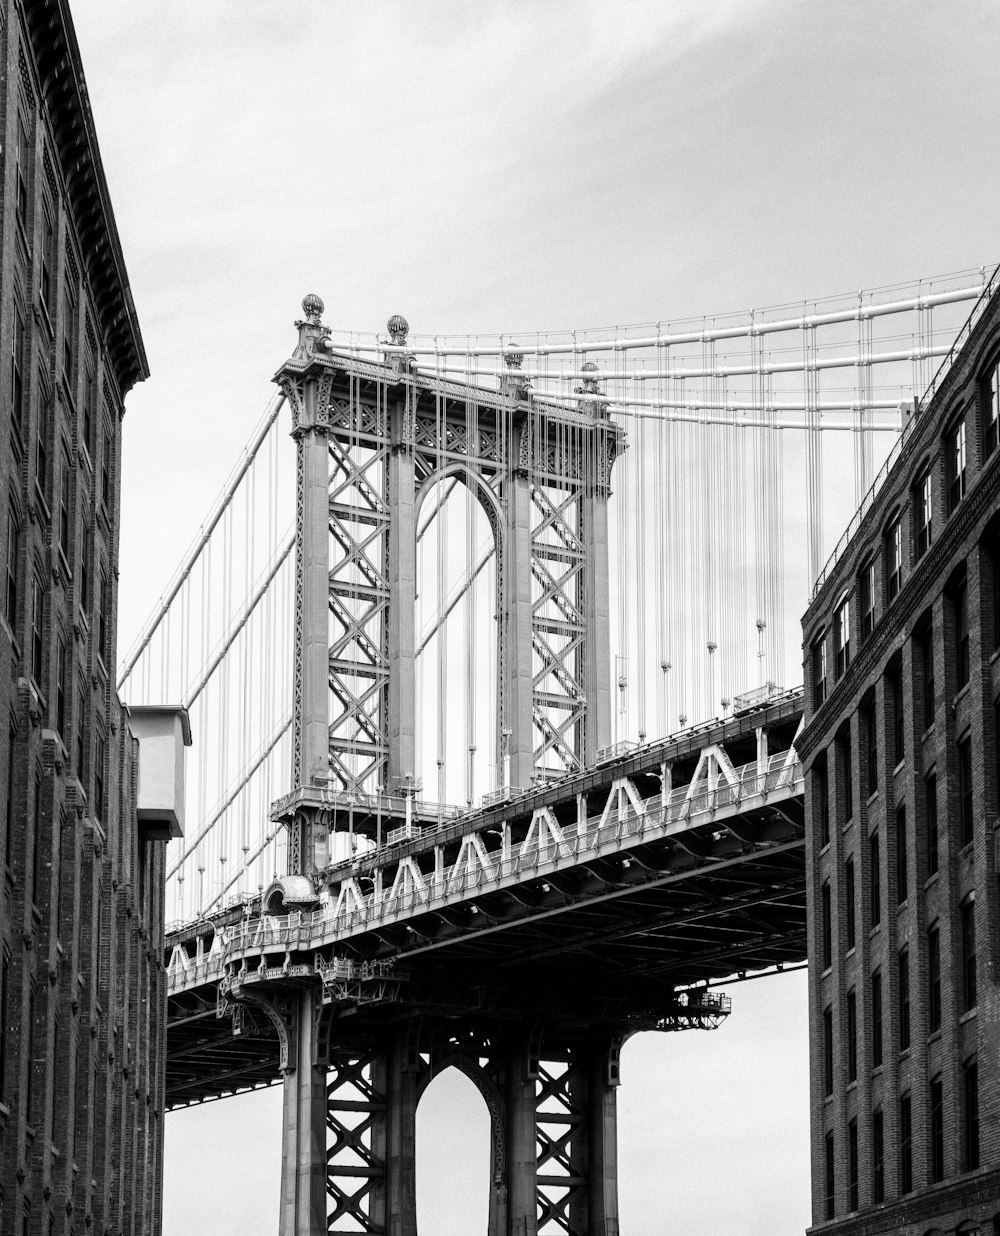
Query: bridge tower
x,y
372,438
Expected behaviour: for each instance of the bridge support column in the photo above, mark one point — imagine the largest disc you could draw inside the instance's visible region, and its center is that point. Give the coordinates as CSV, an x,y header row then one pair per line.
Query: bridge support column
x,y
402,568
303,1134
518,684
602,1166
521,1218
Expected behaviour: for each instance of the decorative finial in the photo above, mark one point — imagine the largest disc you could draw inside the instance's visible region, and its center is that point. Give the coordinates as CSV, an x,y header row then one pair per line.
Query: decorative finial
x,y
513,357
312,307
590,385
398,329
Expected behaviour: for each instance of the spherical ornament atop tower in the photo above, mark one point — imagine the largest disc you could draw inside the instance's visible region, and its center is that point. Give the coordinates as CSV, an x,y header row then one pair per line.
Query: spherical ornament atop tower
x,y
398,329
589,367
312,307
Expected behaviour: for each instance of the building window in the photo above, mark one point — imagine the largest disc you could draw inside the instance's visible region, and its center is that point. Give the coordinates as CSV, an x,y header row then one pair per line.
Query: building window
x,y
42,441
37,628
85,553
45,281
869,737
852,1036
22,155
852,1165
821,795
924,642
849,903
100,748
878,1157
29,1041
842,637
13,553
36,836
876,1019
106,469
846,771
831,1177
895,677
64,506
4,994
930,798
991,398
17,366
937,1129
934,978
969,993
828,1050
875,876
818,659
69,332
955,453
9,835
904,999
970,1110
826,927
960,603
902,857
102,616
923,513
89,407
893,558
905,1144
965,813
61,687
866,600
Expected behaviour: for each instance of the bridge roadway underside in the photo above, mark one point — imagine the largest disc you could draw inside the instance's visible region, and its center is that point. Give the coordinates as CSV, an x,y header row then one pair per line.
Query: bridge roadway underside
x,y
589,954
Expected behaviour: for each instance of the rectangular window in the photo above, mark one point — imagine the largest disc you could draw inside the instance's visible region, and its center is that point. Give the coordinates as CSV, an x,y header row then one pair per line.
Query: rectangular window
x,y
85,553
42,441
869,736
826,926
965,813
904,999
842,637
89,407
875,876
64,506
898,717
106,470
100,749
102,617
37,628
937,1129
36,838
934,978
905,1145
69,331
955,447
878,1157
876,1019
819,671
828,1051
17,366
991,437
930,798
969,992
902,858
925,648
22,156
960,601
849,909
831,1177
893,558
821,794
852,1165
61,688
970,1108
852,1037
45,281
9,836
866,599
923,513
846,772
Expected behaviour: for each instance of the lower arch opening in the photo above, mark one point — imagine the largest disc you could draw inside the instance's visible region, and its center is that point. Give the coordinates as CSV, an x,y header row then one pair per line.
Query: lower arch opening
x,y
453,1158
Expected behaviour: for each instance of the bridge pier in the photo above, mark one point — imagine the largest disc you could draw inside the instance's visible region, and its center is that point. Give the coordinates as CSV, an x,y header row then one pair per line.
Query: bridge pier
x,y
303,1132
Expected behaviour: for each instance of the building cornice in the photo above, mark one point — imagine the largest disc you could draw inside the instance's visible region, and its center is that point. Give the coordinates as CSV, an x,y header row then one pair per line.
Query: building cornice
x,y
56,54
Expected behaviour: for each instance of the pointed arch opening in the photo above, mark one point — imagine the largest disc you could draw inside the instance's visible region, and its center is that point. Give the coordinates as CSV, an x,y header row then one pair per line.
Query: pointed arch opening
x,y
458,735
453,1157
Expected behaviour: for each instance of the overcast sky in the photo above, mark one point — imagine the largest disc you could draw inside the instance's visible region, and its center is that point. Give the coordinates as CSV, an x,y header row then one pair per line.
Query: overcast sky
x,y
491,166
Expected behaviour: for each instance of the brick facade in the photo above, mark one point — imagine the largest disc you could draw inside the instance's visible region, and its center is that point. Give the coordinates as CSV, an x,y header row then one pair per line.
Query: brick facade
x,y
914,711
82,989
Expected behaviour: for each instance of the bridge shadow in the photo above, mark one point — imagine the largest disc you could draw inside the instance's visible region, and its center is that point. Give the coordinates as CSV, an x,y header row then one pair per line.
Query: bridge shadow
x,y
453,1158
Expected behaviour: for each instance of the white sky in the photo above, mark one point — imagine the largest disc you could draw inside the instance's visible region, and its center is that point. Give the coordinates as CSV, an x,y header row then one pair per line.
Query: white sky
x,y
511,166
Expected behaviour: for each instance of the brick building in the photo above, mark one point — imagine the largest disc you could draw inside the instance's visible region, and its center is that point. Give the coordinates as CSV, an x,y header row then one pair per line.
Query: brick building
x,y
902,673
82,990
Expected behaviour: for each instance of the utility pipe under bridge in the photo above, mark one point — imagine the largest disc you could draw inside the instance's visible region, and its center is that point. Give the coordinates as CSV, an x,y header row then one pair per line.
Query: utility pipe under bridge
x,y
521,943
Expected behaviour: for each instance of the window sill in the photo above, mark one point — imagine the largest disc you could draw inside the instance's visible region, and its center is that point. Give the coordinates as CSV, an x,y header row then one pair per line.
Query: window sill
x,y
931,880
900,766
969,1016
934,1037
928,733
871,798
961,693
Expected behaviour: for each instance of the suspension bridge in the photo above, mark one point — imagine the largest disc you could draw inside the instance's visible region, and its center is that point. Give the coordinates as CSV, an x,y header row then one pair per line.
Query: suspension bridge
x,y
493,762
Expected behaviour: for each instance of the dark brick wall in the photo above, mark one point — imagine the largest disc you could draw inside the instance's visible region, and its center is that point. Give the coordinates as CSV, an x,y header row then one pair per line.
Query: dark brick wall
x,y
81,1100
963,542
